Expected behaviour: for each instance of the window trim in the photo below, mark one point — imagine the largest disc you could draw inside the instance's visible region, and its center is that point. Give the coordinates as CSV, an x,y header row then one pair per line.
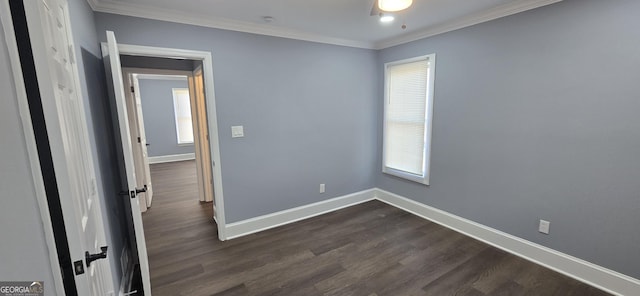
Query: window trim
x,y
175,115
423,179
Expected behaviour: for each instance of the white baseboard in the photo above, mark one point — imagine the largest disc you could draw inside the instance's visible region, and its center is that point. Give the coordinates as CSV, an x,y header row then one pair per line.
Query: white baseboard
x,y
171,158
589,273
253,225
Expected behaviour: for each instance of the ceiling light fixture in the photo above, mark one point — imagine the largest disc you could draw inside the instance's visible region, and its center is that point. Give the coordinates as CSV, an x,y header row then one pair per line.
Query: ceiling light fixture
x,y
387,18
394,5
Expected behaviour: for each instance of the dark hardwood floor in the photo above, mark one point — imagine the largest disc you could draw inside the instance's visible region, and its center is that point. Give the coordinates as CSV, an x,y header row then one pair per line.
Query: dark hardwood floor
x,y
368,249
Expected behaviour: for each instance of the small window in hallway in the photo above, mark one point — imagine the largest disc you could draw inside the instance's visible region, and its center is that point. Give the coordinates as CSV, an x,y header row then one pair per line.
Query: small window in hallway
x,y
182,110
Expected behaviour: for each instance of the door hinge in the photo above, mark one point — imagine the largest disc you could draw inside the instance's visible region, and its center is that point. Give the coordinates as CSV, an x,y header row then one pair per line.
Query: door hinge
x,y
132,89
139,140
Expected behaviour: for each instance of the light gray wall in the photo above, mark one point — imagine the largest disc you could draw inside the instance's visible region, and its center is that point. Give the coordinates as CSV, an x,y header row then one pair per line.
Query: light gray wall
x,y
23,248
156,97
308,110
536,117
100,117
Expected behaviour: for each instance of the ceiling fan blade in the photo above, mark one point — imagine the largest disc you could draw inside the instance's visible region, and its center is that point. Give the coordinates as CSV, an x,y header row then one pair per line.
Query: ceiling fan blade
x,y
375,10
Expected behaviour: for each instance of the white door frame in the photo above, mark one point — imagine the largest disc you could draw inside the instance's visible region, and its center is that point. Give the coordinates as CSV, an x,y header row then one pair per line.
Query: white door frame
x,y
30,141
207,68
201,135
166,74
199,120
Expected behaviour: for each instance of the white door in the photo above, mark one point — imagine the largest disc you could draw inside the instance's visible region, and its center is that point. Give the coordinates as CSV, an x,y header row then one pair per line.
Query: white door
x,y
112,64
58,80
144,159
138,139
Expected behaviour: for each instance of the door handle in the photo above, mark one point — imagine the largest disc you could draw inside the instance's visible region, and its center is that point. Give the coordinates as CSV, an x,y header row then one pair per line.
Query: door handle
x,y
93,257
141,190
133,194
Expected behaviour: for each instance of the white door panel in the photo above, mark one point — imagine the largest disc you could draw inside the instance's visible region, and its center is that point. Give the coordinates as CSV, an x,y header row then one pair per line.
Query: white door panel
x,y
112,65
143,146
58,80
138,138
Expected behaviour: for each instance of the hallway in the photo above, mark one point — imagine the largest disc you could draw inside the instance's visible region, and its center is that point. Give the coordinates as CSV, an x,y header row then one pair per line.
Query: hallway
x,y
177,222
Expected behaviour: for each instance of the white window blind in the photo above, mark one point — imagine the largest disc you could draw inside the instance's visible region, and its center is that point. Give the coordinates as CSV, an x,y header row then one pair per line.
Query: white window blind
x,y
407,129
182,110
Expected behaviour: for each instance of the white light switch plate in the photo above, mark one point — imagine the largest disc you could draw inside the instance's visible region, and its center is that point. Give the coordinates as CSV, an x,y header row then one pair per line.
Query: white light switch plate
x,y
543,227
237,131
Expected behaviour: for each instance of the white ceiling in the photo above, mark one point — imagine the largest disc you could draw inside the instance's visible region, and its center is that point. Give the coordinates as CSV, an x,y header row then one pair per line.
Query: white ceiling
x,y
343,22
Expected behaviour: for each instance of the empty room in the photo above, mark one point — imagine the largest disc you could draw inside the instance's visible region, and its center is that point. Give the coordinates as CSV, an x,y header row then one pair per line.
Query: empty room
x,y
338,147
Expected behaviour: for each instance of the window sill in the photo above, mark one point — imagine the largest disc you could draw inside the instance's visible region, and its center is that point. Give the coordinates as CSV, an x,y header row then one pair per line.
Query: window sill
x,y
407,176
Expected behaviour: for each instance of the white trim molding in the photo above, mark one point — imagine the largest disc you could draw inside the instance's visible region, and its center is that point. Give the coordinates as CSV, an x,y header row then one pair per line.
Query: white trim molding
x,y
500,11
171,158
212,115
257,224
155,13
159,76
581,270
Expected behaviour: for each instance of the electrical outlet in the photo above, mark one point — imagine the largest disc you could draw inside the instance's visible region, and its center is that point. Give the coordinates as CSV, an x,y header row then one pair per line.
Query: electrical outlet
x,y
543,227
321,188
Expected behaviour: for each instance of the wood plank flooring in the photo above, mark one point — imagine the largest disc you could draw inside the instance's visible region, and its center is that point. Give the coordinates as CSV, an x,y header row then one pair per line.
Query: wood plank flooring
x,y
371,249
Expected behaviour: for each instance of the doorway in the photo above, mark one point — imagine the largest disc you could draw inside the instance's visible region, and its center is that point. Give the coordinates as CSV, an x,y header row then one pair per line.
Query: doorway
x,y
204,68
168,122
112,51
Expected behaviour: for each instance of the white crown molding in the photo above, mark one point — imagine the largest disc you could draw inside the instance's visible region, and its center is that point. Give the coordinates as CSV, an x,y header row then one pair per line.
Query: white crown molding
x,y
129,9
469,20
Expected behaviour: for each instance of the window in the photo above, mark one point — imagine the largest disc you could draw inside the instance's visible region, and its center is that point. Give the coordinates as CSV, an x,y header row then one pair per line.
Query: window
x,y
408,113
182,110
